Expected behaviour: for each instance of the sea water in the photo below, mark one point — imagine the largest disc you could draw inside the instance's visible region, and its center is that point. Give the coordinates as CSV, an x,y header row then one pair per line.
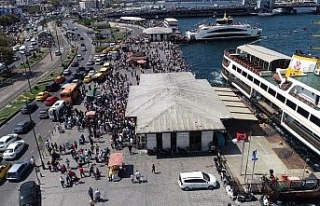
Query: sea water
x,y
285,34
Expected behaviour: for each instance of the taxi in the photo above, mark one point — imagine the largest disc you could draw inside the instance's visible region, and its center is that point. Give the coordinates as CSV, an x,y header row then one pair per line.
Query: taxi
x,y
42,96
87,79
3,170
59,79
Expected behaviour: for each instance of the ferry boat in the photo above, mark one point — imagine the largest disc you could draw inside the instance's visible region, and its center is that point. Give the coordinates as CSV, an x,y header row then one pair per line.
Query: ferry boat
x,y
287,89
224,28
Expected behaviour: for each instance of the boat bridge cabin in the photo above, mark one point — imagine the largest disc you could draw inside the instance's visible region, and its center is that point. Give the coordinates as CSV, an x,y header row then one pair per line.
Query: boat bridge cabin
x,y
262,58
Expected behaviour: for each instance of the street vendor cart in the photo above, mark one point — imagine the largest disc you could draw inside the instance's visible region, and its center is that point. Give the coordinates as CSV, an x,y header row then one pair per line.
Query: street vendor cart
x,y
115,166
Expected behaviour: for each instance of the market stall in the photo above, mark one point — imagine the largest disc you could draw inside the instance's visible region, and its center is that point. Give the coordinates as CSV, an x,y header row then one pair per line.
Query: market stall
x,y
115,165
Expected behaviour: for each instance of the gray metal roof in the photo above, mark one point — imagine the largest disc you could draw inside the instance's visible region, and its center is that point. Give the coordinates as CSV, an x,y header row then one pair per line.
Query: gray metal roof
x,y
157,30
168,102
263,53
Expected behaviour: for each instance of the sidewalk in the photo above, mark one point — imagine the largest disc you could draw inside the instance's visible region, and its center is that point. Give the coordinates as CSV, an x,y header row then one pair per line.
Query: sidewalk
x,y
11,92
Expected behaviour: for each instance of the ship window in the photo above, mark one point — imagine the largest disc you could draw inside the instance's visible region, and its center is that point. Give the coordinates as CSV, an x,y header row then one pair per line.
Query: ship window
x,y
239,70
250,77
280,97
257,82
244,74
291,104
315,120
263,86
303,112
234,67
272,92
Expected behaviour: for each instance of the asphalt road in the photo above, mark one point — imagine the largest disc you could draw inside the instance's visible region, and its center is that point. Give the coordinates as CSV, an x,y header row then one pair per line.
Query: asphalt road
x,y
8,189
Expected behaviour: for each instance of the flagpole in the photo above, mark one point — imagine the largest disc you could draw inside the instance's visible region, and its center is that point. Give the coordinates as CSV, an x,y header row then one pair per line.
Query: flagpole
x,y
246,168
242,152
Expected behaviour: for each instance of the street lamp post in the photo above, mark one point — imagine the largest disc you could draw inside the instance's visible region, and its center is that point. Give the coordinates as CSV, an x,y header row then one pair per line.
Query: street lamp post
x,y
35,138
304,168
27,75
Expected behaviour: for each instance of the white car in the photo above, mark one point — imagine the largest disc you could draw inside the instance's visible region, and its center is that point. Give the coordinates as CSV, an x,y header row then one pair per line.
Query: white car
x,y
67,72
197,180
13,150
6,140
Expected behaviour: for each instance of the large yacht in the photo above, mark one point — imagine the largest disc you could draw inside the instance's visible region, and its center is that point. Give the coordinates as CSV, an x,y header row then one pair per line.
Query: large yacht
x,y
285,88
224,28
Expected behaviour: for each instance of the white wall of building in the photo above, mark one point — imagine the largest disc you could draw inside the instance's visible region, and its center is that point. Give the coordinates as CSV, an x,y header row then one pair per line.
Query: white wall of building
x,y
166,140
206,138
182,139
151,141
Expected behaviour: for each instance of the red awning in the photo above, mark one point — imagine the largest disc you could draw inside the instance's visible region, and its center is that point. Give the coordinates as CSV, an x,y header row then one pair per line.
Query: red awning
x,y
116,159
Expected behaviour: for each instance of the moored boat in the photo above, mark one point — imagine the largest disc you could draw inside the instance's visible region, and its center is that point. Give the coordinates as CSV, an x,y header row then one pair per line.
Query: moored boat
x,y
286,88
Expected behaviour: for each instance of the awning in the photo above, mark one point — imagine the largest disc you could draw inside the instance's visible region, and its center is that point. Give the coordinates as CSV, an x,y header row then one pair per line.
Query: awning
x,y
116,159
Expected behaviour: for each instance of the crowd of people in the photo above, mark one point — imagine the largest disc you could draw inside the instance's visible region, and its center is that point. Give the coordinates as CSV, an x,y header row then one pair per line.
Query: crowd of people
x,y
107,119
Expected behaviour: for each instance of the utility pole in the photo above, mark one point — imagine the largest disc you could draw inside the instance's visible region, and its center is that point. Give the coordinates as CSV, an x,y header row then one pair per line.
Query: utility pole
x,y
35,138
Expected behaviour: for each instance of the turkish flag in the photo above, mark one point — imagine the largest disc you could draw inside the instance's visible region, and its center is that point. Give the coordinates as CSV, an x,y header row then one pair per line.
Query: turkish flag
x,y
241,136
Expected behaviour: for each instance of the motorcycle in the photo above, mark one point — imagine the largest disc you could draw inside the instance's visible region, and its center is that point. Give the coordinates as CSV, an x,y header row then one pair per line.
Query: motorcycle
x,y
246,197
135,179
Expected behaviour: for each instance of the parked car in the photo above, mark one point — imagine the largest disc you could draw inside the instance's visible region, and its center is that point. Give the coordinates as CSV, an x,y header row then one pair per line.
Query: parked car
x,y
59,79
79,57
75,64
43,113
67,72
30,194
51,100
197,180
6,140
23,127
14,150
18,171
3,170
42,96
29,108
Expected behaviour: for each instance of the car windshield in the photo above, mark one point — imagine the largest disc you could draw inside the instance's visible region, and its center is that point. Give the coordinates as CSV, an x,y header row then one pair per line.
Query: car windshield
x,y
9,151
43,111
1,143
206,176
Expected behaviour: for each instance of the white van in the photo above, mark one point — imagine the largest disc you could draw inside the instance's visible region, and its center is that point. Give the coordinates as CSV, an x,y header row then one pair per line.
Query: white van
x,y
22,49
56,110
197,180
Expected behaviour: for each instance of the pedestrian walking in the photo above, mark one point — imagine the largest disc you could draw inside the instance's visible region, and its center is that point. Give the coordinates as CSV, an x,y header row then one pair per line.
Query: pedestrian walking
x,y
130,149
62,181
81,170
153,168
90,193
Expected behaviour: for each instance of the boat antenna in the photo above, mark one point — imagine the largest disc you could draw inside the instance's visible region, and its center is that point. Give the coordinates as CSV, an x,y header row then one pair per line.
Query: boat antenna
x,y
253,42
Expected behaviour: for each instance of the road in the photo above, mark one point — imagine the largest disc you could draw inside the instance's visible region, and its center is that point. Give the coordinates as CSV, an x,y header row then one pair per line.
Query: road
x,y
43,127
19,85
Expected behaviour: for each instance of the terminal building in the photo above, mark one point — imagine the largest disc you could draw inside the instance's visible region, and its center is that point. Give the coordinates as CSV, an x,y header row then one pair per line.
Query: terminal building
x,y
174,110
158,33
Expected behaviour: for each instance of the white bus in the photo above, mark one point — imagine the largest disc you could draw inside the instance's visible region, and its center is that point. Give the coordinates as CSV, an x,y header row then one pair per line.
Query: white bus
x,y
56,110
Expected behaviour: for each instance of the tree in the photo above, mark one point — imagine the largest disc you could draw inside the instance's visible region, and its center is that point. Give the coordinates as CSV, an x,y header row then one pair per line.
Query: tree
x,y
8,19
6,55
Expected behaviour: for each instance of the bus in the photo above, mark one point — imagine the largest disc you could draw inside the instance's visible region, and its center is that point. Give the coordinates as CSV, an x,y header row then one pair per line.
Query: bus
x,y
70,93
105,70
99,77
56,111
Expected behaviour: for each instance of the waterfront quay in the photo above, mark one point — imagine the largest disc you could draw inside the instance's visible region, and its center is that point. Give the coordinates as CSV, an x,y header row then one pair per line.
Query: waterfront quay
x,y
162,186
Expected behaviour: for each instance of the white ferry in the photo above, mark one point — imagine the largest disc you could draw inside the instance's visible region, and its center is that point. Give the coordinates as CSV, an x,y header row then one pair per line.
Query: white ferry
x,y
224,28
286,89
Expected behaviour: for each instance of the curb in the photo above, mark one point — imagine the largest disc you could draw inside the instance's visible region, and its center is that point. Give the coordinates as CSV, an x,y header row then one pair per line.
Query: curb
x,y
44,74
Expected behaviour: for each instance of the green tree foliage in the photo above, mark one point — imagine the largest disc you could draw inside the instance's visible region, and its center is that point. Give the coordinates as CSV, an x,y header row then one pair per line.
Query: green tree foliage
x,y
8,19
6,51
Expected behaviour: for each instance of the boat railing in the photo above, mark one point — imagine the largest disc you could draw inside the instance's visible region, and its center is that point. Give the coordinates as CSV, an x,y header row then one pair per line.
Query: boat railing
x,y
305,99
